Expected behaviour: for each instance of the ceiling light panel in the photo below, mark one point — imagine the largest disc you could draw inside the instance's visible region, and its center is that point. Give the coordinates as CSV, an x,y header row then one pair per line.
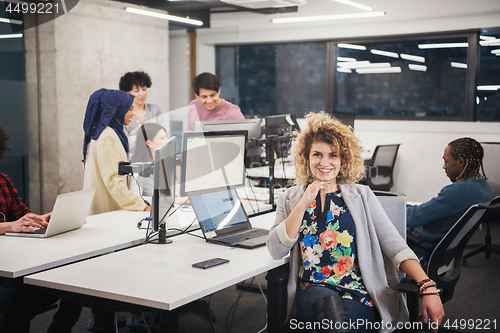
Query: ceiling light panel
x,y
412,57
352,46
442,45
378,70
185,20
297,19
385,53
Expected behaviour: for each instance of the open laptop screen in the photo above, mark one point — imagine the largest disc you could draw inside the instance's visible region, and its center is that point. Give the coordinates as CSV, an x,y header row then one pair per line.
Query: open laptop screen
x,y
218,210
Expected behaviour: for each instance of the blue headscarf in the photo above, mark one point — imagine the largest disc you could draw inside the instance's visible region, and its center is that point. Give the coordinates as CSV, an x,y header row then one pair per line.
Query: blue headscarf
x,y
106,108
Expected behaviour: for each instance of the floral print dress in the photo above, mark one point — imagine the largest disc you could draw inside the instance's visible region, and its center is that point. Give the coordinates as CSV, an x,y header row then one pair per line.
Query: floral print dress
x,y
328,247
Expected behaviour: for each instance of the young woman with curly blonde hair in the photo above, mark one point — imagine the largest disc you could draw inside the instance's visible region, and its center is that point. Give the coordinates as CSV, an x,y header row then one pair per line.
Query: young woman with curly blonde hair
x,y
344,250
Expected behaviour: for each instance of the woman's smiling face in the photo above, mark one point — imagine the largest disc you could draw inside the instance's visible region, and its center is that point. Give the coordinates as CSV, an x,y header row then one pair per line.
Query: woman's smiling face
x,y
324,162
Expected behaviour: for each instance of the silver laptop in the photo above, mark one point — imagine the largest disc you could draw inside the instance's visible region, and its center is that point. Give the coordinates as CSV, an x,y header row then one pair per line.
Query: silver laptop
x,y
69,213
223,219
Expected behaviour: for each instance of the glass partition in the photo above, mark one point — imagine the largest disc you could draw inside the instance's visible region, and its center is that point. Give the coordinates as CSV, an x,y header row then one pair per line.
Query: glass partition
x,y
269,79
421,78
488,83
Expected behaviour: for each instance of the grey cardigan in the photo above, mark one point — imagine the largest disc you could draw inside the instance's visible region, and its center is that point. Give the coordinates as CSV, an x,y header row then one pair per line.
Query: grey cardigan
x,y
380,249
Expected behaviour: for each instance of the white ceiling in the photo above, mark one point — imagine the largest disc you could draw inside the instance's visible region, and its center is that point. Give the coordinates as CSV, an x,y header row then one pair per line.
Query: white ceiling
x,y
402,17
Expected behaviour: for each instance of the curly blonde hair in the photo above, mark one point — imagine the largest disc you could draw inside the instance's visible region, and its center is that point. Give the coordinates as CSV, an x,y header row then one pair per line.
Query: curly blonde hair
x,y
321,127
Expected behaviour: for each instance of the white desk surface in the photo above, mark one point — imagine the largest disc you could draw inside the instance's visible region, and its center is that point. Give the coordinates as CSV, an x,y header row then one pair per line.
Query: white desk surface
x,y
161,276
101,234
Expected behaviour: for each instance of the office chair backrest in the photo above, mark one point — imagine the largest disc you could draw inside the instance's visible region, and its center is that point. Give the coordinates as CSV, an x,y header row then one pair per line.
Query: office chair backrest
x,y
381,167
445,261
491,165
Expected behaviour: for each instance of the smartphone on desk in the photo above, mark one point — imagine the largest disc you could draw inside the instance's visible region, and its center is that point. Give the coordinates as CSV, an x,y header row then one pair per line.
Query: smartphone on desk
x,y
210,263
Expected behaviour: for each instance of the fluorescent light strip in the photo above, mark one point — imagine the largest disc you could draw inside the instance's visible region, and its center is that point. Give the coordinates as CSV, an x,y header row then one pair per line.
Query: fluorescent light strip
x,y
297,19
458,65
420,68
164,16
11,36
486,37
344,70
352,46
346,59
442,45
385,53
354,4
378,70
362,64
412,57
490,42
4,20
490,87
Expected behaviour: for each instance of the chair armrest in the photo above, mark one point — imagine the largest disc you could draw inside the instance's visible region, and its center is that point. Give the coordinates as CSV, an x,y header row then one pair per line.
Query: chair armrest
x,y
407,285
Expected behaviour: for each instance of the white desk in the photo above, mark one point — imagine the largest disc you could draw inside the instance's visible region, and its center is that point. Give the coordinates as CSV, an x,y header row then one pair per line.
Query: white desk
x,y
162,276
101,234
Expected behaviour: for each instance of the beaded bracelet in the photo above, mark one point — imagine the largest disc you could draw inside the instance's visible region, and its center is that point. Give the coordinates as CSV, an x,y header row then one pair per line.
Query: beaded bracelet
x,y
423,281
430,292
426,285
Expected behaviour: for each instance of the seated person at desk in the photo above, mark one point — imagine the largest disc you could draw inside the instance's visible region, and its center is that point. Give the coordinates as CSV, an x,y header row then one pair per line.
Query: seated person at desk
x,y
149,138
429,222
105,144
208,105
344,250
19,303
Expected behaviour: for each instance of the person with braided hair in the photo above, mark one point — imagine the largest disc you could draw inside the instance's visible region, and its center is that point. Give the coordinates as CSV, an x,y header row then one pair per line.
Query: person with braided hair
x,y
429,222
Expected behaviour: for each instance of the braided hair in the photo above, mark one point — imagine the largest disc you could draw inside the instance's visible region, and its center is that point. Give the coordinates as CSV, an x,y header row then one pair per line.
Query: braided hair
x,y
472,152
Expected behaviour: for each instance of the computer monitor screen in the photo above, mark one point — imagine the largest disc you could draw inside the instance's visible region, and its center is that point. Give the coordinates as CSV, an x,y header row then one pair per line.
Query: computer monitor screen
x,y
253,126
347,118
280,125
164,182
212,160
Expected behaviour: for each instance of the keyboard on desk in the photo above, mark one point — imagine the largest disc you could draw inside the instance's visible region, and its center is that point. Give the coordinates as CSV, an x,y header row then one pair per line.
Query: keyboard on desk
x,y
253,233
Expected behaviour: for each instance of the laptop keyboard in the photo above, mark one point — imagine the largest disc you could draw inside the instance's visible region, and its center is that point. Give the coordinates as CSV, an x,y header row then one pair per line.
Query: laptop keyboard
x,y
253,233
37,231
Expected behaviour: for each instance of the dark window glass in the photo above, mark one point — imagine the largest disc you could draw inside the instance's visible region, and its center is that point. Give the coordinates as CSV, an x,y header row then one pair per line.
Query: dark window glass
x,y
268,79
402,79
488,84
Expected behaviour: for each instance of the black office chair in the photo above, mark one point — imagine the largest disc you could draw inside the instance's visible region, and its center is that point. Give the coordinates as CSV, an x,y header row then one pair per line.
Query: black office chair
x,y
445,261
488,248
380,168
492,170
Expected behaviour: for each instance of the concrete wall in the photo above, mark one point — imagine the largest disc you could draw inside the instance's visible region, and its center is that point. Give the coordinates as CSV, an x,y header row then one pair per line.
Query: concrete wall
x,y
90,48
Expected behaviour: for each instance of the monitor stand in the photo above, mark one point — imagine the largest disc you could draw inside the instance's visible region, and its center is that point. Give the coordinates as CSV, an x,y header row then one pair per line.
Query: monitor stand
x,y
162,236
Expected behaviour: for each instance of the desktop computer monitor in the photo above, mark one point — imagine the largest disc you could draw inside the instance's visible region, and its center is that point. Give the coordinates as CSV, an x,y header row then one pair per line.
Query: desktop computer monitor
x,y
280,125
164,182
212,160
253,126
347,118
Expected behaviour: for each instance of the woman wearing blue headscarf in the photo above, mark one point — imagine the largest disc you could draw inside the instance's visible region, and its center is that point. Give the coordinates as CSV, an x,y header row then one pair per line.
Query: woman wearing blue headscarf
x,y
105,144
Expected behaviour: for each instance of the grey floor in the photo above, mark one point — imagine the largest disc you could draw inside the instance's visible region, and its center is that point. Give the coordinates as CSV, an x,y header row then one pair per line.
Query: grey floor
x,y
476,300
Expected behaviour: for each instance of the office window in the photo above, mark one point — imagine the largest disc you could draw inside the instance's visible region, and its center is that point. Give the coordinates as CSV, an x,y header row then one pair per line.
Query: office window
x,y
268,79
488,83
424,78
